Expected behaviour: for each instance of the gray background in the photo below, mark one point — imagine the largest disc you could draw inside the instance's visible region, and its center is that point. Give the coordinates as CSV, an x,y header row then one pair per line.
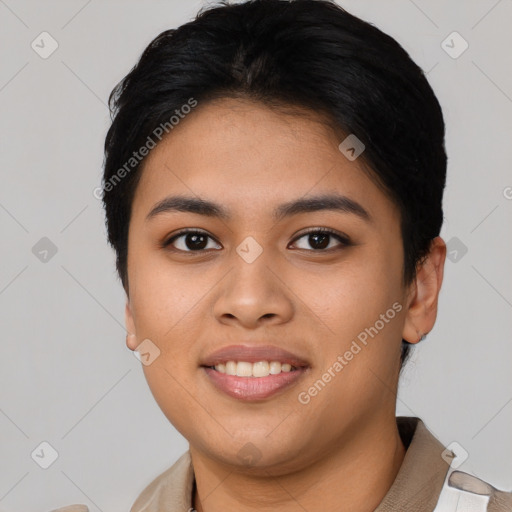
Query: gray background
x,y
66,376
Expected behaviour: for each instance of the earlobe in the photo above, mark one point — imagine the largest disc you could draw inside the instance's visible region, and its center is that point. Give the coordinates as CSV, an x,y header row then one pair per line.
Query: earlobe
x,y
131,335
423,300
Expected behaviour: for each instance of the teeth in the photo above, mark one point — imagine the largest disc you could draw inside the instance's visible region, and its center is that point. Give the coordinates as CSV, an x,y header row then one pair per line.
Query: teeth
x,y
230,368
243,369
259,369
275,367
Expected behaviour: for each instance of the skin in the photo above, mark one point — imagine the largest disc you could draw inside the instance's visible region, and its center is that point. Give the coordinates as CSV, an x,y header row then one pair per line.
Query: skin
x,y
313,303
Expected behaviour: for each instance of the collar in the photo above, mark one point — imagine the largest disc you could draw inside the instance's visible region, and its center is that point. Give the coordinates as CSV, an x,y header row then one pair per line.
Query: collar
x,y
421,476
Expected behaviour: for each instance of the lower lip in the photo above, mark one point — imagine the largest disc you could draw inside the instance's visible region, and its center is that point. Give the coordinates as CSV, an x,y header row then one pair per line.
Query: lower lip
x,y
253,388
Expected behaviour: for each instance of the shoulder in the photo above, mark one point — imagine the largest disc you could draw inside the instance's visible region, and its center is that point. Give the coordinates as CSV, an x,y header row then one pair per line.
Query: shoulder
x,y
429,478
170,491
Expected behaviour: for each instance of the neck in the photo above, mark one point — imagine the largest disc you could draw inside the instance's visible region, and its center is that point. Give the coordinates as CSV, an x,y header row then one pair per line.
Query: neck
x,y
353,476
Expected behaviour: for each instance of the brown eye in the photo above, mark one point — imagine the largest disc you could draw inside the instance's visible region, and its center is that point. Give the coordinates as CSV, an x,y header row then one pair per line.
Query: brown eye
x,y
322,240
190,241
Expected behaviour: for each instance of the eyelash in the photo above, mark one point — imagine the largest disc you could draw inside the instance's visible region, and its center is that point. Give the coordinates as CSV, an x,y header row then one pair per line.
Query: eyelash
x,y
345,241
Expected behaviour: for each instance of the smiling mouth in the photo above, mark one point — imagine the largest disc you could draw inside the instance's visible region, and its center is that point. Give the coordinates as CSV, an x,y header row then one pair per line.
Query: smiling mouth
x,y
258,369
251,382
253,372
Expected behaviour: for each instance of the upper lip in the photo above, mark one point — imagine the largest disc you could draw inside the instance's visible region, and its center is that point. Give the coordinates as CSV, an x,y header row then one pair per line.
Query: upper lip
x,y
253,354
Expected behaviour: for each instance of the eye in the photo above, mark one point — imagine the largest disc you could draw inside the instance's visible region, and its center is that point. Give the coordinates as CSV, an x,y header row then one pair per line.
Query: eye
x,y
320,239
189,240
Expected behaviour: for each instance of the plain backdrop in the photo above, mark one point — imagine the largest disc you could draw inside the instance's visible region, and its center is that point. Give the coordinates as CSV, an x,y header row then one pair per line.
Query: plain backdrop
x,y
66,376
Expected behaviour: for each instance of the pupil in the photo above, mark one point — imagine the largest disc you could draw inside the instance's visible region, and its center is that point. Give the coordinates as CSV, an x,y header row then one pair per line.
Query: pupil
x,y
196,241
319,241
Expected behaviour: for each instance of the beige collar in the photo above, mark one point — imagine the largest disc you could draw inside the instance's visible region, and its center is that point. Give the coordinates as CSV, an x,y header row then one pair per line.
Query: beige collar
x,y
421,476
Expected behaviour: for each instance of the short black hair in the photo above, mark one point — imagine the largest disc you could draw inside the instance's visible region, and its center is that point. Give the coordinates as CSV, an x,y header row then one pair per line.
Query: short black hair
x,y
309,54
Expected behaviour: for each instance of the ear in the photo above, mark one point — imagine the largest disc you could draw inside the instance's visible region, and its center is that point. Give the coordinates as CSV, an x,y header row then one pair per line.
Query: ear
x,y
131,335
424,293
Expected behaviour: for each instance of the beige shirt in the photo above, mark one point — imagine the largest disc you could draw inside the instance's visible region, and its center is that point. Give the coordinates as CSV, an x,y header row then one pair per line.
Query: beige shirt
x,y
416,488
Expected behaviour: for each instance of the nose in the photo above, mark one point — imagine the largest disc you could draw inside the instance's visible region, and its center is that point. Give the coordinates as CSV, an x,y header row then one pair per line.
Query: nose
x,y
253,294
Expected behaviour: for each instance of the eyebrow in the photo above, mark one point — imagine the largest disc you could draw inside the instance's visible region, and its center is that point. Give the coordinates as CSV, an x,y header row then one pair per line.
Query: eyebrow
x,y
200,206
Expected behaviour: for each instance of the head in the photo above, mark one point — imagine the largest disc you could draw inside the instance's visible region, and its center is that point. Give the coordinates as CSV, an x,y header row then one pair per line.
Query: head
x,y
268,122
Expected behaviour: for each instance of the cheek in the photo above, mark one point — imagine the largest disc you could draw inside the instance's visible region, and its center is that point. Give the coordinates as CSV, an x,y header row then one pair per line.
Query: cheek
x,y
352,296
165,306
172,390
360,302
163,297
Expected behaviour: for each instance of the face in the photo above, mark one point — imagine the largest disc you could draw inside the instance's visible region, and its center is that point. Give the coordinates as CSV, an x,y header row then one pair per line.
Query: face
x,y
269,276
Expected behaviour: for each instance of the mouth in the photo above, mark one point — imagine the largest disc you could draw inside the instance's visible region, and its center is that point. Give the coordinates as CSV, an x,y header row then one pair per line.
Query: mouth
x,y
253,373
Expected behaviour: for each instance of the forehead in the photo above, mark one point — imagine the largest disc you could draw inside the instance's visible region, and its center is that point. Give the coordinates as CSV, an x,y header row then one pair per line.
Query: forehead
x,y
248,155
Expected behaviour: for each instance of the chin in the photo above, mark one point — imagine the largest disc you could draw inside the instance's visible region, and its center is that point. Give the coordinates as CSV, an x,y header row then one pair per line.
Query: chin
x,y
256,454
